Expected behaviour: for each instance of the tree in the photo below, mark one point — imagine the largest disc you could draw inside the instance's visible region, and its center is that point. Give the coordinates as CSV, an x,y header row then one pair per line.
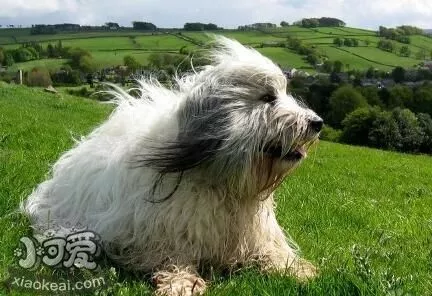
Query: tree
x,y
338,41
86,64
2,56
422,100
130,62
8,59
357,125
386,45
425,123
38,77
143,26
384,132
398,74
405,51
370,73
327,66
313,59
50,51
411,136
338,66
370,93
348,42
75,55
112,25
284,24
400,96
421,54
342,102
200,27
22,55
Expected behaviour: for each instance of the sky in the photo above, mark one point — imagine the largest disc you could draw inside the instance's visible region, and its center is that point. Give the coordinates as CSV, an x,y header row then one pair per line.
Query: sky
x,y
225,13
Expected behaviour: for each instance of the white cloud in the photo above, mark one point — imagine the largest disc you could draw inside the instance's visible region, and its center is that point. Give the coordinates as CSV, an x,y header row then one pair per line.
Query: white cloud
x,y
227,13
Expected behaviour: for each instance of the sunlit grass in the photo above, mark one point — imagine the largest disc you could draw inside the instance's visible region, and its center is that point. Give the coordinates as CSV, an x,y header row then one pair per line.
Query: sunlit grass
x,y
362,215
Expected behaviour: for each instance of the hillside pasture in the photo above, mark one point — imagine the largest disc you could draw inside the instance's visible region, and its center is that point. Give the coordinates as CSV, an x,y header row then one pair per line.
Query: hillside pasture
x,y
286,58
363,216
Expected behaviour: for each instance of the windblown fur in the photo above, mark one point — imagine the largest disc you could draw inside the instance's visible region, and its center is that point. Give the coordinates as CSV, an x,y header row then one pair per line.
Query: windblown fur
x,y
185,176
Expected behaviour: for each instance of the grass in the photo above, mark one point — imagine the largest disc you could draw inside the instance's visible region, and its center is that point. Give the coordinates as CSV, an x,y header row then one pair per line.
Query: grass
x,y
354,62
115,57
362,215
381,56
286,58
106,45
45,63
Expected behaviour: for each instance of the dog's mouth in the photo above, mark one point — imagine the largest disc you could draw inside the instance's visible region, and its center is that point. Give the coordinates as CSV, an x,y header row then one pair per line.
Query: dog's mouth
x,y
295,154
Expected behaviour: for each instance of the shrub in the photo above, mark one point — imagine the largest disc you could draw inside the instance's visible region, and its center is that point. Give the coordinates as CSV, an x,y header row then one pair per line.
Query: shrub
x,y
81,92
343,101
384,132
411,135
358,124
330,134
66,76
422,101
400,96
22,55
130,62
425,123
76,55
370,93
38,77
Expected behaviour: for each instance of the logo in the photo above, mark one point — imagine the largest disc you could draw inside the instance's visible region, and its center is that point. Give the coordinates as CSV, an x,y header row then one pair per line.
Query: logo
x,y
60,260
79,250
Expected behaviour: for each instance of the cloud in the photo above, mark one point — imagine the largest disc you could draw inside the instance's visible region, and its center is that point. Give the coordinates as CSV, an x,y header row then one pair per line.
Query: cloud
x,y
227,13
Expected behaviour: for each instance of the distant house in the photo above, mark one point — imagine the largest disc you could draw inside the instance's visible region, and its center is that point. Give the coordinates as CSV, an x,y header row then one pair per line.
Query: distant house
x,y
289,73
387,83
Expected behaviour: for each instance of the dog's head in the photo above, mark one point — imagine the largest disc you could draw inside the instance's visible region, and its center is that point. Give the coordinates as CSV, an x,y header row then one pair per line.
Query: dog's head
x,y
238,126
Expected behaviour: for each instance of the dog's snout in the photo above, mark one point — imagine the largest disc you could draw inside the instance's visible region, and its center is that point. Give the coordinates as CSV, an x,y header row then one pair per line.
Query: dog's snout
x,y
316,124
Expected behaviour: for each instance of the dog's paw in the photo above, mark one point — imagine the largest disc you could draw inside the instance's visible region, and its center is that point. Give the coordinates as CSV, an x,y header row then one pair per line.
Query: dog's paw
x,y
303,270
179,284
299,268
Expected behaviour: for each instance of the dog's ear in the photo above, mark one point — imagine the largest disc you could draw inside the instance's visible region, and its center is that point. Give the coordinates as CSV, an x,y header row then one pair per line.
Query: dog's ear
x,y
203,128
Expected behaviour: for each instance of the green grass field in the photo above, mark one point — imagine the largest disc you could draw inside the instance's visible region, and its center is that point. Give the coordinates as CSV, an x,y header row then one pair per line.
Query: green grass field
x,y
362,215
109,47
45,63
286,58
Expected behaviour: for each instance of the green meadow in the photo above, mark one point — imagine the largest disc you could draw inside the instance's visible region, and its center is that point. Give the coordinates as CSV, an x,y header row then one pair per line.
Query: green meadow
x,y
363,216
109,47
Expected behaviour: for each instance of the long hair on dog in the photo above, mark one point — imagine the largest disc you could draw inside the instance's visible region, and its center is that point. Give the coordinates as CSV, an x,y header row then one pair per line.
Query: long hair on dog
x,y
186,175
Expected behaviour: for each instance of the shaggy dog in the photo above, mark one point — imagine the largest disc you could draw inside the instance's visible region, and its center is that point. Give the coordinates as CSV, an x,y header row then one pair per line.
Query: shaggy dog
x,y
185,176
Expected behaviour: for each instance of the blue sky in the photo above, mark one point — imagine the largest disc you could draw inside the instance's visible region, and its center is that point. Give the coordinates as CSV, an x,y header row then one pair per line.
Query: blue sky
x,y
226,13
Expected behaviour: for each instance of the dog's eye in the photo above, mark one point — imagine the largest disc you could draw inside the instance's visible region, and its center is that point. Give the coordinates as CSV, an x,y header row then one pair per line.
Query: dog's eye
x,y
268,98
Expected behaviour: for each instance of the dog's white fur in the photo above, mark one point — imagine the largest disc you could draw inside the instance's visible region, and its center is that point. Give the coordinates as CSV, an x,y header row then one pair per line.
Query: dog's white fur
x,y
165,218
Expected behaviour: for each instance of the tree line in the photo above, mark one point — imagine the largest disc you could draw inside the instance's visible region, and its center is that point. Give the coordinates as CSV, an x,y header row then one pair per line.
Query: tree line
x,y
320,22
394,118
43,29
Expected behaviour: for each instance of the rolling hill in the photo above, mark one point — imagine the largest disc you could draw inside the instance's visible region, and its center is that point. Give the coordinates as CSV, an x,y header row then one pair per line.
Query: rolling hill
x,y
109,48
362,215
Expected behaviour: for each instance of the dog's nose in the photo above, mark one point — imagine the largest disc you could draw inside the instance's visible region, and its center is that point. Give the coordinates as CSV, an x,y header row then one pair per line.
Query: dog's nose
x,y
316,124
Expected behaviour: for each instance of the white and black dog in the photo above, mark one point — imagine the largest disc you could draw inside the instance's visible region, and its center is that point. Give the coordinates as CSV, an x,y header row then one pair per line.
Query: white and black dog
x,y
185,176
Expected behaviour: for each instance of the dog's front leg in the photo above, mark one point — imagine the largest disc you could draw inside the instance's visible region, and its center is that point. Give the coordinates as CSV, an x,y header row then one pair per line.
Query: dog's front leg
x,y
275,251
173,280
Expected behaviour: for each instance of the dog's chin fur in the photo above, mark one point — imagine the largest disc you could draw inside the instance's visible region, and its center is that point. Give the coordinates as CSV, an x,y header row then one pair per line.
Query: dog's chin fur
x,y
185,176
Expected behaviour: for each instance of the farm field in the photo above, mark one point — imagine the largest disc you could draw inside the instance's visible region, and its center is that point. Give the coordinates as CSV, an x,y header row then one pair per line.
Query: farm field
x,y
354,62
109,47
286,58
362,215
